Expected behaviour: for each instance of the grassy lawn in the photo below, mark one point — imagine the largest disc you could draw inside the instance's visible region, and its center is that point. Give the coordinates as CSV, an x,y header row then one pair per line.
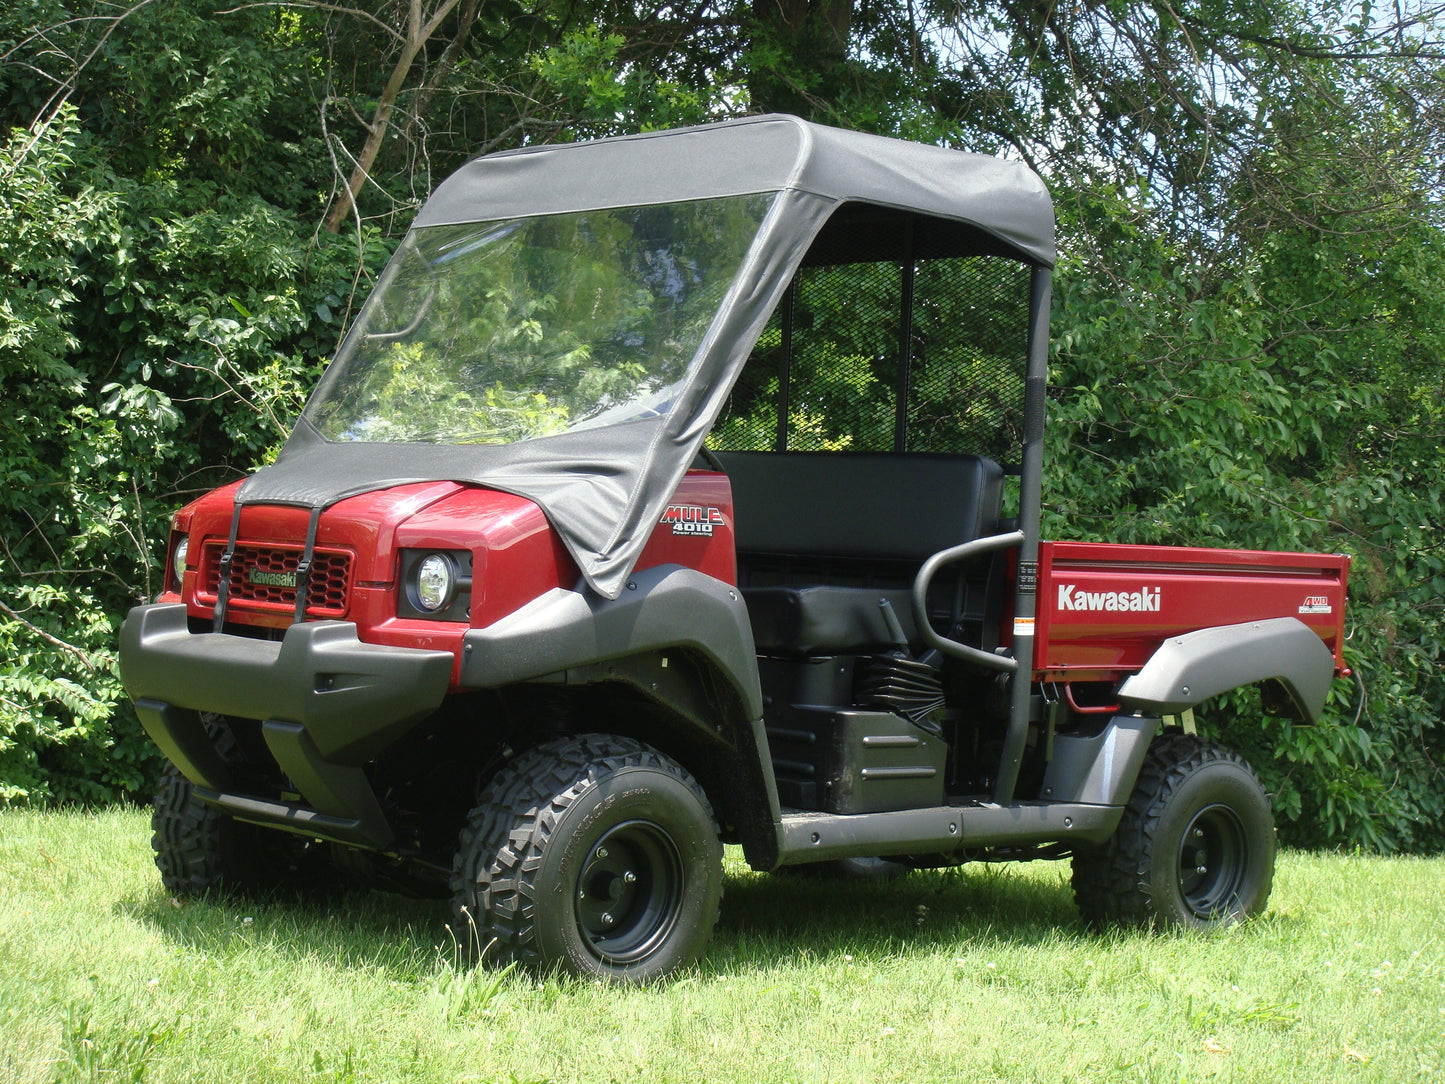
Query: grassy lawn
x,y
977,974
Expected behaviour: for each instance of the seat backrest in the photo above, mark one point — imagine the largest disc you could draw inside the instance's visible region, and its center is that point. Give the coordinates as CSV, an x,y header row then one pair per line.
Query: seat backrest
x,y
861,506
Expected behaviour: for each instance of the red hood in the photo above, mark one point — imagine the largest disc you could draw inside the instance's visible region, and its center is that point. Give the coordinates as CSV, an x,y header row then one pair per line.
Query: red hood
x,y
358,544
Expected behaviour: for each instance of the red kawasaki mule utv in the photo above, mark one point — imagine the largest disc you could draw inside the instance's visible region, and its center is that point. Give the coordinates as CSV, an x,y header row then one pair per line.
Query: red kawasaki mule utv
x,y
680,490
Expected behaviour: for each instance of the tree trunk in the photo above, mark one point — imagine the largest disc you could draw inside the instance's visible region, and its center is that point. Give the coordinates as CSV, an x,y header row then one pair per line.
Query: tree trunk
x,y
417,35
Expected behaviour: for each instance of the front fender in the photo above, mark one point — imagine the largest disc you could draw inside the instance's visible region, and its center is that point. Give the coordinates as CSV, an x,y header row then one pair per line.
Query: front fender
x,y
1189,669
664,607
627,639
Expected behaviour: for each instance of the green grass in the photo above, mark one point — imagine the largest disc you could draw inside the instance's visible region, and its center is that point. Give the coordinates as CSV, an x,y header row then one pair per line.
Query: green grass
x,y
972,975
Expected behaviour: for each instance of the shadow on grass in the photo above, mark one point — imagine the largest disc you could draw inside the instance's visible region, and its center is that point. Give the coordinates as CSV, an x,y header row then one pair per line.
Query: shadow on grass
x,y
402,937
925,910
981,907
765,918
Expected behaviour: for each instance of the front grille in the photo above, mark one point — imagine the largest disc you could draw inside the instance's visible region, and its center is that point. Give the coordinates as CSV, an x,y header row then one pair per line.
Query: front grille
x,y
263,576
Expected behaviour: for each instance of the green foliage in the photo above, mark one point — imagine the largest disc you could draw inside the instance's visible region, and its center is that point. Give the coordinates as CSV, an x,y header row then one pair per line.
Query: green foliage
x,y
164,311
1249,318
608,92
56,695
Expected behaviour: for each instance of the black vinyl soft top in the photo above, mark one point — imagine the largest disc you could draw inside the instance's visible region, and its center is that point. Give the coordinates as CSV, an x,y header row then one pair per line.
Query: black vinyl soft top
x,y
603,488
758,154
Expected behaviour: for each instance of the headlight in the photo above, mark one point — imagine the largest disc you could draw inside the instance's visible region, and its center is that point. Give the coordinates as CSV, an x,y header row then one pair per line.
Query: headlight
x,y
435,584
436,580
178,563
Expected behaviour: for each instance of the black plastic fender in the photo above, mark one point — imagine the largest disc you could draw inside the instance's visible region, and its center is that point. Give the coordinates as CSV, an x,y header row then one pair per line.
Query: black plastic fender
x,y
1099,769
1189,669
579,636
668,607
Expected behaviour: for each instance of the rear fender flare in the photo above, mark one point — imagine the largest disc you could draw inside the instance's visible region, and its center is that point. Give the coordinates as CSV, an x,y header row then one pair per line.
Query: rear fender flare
x,y
1187,670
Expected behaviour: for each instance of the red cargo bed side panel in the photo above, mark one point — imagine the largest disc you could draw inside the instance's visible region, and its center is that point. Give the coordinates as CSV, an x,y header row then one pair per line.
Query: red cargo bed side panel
x,y
1104,608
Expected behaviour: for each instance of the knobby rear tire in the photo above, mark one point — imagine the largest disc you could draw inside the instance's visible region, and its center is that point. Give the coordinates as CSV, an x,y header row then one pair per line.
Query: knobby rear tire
x,y
1195,848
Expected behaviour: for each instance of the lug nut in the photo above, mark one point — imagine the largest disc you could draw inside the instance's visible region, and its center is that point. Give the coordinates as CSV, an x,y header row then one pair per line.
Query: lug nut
x,y
629,877
601,852
606,918
1201,870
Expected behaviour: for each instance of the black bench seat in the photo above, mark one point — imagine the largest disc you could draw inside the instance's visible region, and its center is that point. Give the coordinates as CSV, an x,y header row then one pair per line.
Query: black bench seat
x,y
823,537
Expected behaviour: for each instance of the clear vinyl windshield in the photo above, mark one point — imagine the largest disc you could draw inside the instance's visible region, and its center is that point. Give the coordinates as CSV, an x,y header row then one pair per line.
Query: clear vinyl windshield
x,y
495,332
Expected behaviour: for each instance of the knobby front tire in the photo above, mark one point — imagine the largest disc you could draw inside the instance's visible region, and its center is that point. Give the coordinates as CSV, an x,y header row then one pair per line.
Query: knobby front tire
x,y
595,854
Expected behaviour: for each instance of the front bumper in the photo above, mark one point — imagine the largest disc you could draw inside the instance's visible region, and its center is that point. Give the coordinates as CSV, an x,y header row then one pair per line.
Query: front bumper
x,y
327,703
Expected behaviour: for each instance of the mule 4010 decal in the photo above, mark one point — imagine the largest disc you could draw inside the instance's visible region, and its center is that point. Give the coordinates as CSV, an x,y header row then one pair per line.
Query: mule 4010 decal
x,y
692,519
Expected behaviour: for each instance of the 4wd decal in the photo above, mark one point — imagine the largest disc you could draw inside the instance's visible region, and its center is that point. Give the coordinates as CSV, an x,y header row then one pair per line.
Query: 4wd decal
x,y
1316,604
1146,599
693,519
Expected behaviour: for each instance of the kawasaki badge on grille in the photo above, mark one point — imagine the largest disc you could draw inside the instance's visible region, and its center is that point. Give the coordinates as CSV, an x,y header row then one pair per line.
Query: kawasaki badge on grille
x,y
271,579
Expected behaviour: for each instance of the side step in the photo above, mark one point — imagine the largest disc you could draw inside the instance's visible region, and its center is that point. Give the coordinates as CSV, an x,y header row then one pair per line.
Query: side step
x,y
293,817
811,837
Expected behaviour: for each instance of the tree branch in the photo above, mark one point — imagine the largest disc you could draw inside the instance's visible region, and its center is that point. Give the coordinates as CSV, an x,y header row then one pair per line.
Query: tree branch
x,y
56,102
47,637
418,34
338,9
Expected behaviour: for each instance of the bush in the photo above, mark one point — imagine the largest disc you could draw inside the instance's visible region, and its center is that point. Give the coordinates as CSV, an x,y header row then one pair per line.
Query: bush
x,y
155,339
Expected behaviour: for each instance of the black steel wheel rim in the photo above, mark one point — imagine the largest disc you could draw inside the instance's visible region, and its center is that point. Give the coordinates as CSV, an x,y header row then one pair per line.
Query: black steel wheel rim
x,y
630,892
1213,859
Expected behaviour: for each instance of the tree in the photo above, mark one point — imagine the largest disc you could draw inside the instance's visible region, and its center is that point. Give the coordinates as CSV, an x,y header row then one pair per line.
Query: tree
x,y
163,305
